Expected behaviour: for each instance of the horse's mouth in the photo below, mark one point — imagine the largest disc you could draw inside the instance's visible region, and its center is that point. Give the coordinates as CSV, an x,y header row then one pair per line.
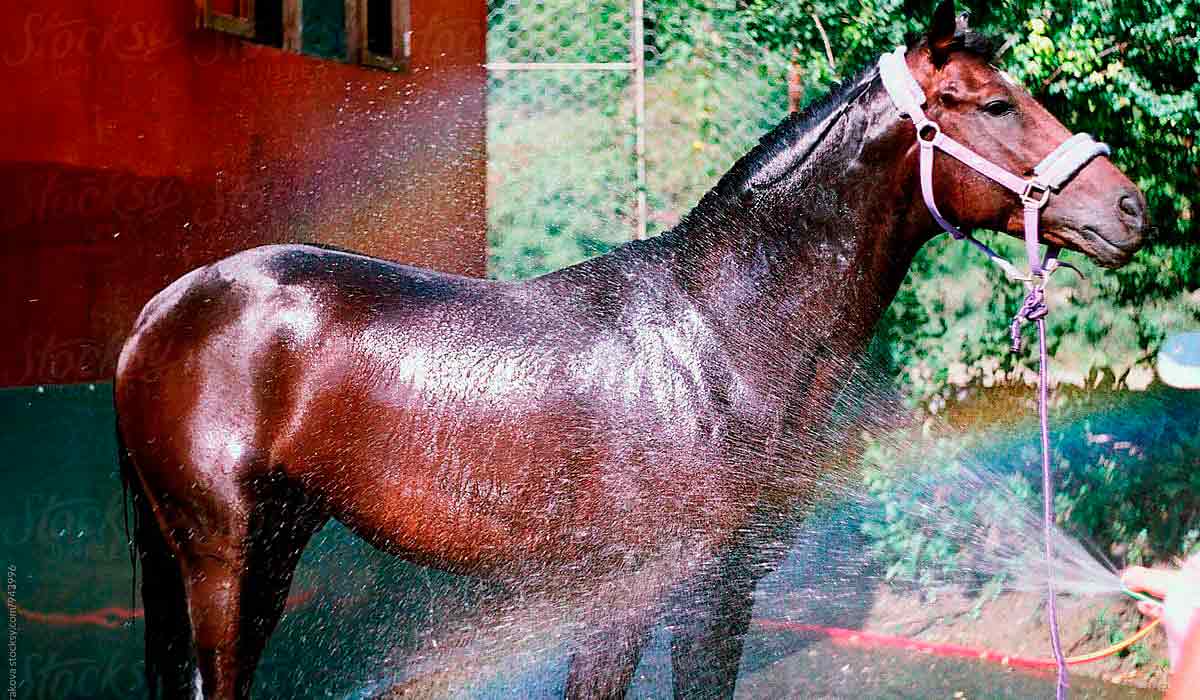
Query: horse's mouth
x,y
1090,242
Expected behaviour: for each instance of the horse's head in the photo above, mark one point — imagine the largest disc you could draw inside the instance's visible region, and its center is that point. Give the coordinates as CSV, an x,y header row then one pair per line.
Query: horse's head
x,y
1099,212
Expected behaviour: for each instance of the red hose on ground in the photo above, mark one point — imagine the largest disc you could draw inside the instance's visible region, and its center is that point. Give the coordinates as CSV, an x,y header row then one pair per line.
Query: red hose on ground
x,y
113,617
848,637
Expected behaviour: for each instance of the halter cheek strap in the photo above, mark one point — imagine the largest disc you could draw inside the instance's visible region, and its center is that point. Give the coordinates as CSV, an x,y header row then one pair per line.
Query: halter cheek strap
x,y
1049,176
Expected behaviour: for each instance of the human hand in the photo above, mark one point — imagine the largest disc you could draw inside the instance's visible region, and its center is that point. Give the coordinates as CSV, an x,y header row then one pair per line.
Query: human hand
x,y
1180,592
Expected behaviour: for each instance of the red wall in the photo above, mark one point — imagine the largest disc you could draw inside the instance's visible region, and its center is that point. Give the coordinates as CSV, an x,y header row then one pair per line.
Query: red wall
x,y
134,147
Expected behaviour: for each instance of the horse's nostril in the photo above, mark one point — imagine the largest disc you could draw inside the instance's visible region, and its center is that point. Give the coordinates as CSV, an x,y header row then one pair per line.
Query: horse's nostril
x,y
1130,206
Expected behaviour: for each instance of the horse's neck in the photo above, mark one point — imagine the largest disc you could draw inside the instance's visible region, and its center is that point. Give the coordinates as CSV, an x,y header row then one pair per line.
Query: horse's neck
x,y
809,263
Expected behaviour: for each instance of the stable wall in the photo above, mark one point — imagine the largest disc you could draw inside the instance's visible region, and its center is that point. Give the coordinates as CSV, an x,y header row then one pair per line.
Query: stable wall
x,y
135,147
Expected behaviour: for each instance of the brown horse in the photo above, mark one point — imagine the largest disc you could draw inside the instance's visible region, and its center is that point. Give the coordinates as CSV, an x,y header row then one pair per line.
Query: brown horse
x,y
668,402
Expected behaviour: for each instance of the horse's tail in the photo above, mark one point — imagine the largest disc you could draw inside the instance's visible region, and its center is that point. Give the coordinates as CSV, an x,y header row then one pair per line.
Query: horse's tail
x,y
170,654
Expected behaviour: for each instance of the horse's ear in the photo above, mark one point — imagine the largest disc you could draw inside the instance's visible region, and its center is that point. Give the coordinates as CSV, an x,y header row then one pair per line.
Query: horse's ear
x,y
940,38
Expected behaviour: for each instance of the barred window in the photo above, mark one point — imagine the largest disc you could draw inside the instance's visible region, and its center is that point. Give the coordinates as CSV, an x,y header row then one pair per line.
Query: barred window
x,y
374,33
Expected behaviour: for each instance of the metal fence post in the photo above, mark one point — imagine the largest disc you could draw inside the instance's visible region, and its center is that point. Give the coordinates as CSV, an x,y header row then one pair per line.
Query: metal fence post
x,y
639,97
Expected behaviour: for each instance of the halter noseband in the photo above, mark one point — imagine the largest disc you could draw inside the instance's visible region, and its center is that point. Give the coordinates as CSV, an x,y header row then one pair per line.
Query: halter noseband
x,y
1050,175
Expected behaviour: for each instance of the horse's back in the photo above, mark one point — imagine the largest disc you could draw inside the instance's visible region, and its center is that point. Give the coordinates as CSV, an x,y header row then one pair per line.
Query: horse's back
x,y
298,285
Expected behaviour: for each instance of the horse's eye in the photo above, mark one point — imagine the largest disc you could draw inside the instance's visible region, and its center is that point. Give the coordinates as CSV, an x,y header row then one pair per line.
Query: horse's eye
x,y
998,108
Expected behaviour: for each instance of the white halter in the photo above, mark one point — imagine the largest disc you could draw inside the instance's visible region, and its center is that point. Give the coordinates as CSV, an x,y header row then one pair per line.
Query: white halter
x,y
1050,175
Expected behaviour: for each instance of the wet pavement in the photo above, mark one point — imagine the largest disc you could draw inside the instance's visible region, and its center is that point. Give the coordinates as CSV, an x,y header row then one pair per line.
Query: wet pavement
x,y
813,670
825,670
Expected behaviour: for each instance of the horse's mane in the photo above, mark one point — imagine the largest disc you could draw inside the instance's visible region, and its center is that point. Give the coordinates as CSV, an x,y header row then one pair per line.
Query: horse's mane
x,y
780,139
750,168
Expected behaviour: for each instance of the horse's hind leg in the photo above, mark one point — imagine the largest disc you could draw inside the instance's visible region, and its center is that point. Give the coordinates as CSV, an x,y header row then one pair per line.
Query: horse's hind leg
x,y
280,530
237,572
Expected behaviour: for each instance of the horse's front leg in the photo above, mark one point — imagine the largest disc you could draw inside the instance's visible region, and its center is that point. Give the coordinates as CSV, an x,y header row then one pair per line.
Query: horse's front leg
x,y
616,616
710,621
603,666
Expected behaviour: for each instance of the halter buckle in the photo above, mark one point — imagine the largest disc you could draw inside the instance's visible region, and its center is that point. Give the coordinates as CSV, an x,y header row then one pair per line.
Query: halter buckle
x,y
1035,194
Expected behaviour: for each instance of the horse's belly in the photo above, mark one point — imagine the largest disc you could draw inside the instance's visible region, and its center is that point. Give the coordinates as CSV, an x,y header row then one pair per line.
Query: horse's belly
x,y
482,517
479,493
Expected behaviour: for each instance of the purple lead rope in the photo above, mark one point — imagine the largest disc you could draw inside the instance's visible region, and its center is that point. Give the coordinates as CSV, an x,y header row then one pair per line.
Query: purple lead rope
x,y
1060,692
1034,309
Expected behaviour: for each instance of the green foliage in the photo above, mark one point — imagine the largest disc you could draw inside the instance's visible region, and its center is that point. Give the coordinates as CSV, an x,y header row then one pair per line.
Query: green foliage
x,y
1128,471
561,184
902,538
558,30
1131,477
1106,626
928,514
1109,627
566,188
561,144
711,94
946,333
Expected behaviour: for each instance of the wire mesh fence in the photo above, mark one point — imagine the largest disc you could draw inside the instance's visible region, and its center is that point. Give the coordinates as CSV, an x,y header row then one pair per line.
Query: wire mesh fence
x,y
571,99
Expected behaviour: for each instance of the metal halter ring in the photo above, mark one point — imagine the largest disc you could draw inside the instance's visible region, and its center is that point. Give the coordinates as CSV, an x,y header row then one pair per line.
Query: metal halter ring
x,y
1035,194
930,127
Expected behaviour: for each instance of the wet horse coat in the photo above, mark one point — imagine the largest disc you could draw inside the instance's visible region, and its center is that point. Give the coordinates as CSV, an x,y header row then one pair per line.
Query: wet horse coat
x,y
665,404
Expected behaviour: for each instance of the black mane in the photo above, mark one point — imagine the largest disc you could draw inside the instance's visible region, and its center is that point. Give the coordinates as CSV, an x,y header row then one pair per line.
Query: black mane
x,y
965,40
784,136
749,169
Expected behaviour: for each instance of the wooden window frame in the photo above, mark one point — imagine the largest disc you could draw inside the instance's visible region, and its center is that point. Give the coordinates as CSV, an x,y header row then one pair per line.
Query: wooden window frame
x,y
230,24
356,29
293,21
357,32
